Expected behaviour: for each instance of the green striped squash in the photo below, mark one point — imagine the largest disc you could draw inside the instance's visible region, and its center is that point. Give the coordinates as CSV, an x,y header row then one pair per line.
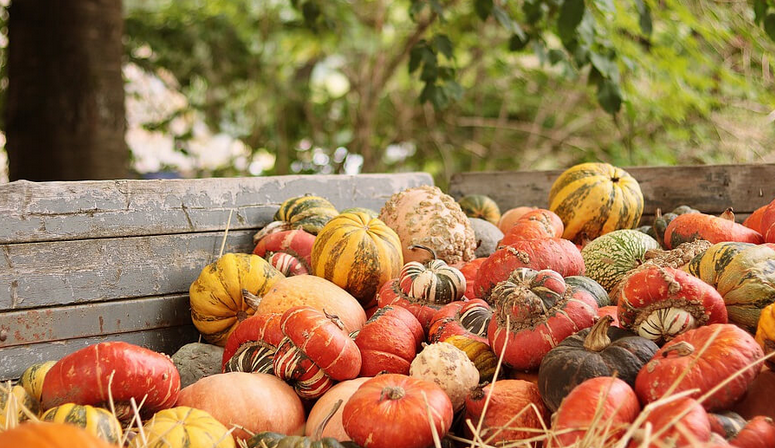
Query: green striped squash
x,y
608,258
309,213
185,427
480,206
593,199
368,211
32,378
96,421
14,398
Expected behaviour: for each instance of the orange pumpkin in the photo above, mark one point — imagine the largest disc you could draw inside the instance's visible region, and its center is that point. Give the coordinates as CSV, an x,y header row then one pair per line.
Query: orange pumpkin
x,y
511,216
50,435
716,229
754,221
509,399
341,391
534,224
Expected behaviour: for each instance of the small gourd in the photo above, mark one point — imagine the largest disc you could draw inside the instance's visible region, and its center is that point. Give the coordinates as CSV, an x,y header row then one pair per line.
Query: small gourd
x,y
449,368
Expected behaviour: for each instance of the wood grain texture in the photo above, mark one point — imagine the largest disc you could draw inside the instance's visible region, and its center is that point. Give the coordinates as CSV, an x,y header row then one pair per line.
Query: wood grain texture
x,y
52,211
708,188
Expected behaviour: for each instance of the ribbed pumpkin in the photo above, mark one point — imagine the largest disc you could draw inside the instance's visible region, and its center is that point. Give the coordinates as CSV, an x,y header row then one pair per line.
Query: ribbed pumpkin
x,y
308,212
289,251
368,211
469,271
534,224
358,253
50,435
716,229
765,332
480,206
389,341
679,423
744,275
97,421
220,297
434,281
511,216
15,398
33,376
184,427
593,199
479,353
608,258
251,347
469,319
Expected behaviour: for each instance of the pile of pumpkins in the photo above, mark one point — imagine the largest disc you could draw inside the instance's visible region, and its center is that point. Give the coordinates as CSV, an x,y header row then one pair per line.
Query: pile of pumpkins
x,y
438,323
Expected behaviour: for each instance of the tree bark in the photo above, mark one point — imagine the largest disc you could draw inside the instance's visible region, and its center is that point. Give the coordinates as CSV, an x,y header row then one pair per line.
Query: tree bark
x,y
65,105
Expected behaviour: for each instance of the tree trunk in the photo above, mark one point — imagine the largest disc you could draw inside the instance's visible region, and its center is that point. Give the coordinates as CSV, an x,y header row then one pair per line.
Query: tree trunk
x,y
65,104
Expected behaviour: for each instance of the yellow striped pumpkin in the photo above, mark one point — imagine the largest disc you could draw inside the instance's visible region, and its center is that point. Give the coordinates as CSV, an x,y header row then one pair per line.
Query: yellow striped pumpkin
x,y
221,296
480,206
593,199
309,213
15,398
765,332
357,253
32,378
96,421
184,427
479,353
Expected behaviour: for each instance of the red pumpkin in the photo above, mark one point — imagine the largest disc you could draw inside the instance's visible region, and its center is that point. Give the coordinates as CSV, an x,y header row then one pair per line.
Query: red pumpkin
x,y
680,423
659,303
469,319
758,433
389,341
390,294
732,349
535,224
315,352
758,399
603,404
509,398
767,224
511,216
535,311
612,311
556,254
252,345
754,221
297,244
469,271
128,371
692,226
393,410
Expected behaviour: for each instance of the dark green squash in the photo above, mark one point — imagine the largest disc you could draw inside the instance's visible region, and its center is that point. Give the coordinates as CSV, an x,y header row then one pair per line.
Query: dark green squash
x,y
592,287
662,221
480,206
592,352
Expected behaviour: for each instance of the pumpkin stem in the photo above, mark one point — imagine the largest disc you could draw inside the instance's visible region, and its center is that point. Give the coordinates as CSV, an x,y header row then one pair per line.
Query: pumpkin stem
x,y
658,213
682,348
728,214
597,339
335,319
319,430
615,179
392,393
251,299
419,246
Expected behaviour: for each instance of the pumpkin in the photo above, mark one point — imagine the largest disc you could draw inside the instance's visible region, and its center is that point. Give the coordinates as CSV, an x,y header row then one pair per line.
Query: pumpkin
x,y
196,360
590,288
754,220
309,213
51,435
469,271
605,405
316,292
610,257
601,350
556,254
113,370
757,433
390,294
425,216
726,423
506,417
767,224
744,275
765,332
535,311
681,423
479,353
659,303
511,216
731,350
357,253
276,440
12,404
97,421
389,341
395,410
692,226
289,251
434,281
534,224
469,318
221,296
254,401
184,427
610,311
317,415
758,397
662,221
480,206
365,210
593,199
251,347
33,376
449,368
487,236
315,352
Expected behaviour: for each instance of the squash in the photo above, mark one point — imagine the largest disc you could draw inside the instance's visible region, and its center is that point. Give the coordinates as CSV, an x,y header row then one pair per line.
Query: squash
x,y
184,427
506,417
730,350
12,401
434,281
469,318
754,220
426,216
357,253
601,350
765,332
610,311
196,360
726,423
481,207
487,236
220,297
534,224
692,226
767,224
758,396
251,347
309,213
389,341
757,433
511,216
33,376
334,429
289,251
368,211
680,423
479,353
50,435
662,221
610,257
744,275
97,421
449,368
469,271
593,199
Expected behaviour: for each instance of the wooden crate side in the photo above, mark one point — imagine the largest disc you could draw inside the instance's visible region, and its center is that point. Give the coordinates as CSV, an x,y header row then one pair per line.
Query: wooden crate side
x,y
53,211
708,188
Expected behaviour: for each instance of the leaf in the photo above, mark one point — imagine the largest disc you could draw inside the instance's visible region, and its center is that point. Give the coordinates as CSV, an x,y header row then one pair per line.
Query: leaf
x,y
416,56
453,90
437,8
533,10
759,10
416,8
609,96
483,8
769,25
571,13
556,56
644,17
310,11
443,45
604,65
517,43
606,5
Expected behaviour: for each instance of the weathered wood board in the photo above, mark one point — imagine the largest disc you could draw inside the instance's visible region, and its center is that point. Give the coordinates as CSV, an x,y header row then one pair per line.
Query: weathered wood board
x,y
708,188
85,262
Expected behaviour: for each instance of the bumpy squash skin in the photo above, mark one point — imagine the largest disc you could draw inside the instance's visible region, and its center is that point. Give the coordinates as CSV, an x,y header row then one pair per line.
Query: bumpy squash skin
x,y
610,257
218,302
97,421
185,427
593,199
309,213
692,226
357,253
33,376
480,206
479,353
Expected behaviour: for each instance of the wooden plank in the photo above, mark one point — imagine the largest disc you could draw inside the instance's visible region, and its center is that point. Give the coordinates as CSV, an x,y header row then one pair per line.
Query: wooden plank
x,y
36,275
13,360
97,319
51,211
708,188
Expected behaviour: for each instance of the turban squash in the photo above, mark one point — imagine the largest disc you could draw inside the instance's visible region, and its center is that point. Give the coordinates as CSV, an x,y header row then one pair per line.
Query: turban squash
x,y
251,347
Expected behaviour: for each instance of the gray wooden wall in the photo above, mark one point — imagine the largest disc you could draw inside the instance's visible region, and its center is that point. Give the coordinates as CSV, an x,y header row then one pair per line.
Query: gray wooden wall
x,y
86,262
